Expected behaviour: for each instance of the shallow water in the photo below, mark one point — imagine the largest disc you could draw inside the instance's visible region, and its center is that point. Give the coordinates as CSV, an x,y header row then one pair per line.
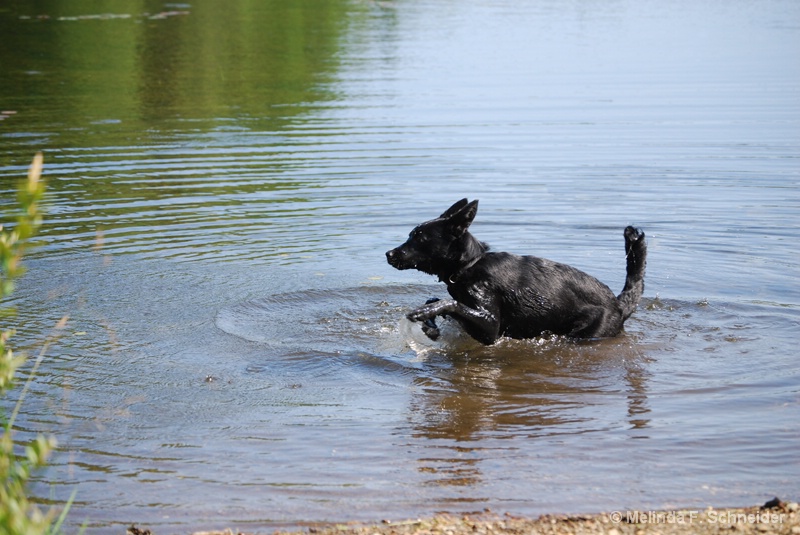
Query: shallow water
x,y
223,184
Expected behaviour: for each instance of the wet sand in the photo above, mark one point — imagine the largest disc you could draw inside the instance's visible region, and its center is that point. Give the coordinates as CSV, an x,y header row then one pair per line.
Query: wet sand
x,y
774,517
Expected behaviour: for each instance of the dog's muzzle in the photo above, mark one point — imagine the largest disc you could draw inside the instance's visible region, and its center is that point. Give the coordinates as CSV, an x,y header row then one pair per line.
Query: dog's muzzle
x,y
396,258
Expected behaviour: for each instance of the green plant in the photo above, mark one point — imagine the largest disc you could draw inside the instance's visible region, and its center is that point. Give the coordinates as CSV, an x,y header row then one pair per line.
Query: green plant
x,y
18,514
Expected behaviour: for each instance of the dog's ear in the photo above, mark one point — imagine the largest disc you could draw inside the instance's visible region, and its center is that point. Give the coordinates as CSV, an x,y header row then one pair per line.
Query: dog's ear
x,y
460,220
455,208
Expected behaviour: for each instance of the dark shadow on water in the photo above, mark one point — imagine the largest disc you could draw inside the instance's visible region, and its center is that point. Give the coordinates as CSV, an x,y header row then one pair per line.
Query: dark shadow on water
x,y
533,388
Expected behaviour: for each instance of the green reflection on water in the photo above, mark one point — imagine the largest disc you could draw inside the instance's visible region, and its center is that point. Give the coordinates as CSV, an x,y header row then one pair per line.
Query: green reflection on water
x,y
66,65
164,126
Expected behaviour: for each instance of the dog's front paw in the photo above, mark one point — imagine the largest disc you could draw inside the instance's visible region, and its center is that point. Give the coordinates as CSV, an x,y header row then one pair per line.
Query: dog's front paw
x,y
419,314
433,308
430,329
423,313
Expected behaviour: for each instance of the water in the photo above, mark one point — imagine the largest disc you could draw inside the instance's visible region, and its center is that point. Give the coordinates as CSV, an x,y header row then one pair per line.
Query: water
x,y
223,183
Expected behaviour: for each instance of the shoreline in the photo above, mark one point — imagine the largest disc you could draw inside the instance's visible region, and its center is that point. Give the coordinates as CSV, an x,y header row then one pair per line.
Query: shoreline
x,y
773,518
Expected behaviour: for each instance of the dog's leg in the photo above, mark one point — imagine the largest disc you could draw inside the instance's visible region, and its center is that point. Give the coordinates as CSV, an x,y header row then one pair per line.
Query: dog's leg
x,y
429,326
480,324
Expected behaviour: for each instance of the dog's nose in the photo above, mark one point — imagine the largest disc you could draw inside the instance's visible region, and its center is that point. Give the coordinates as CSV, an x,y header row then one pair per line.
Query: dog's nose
x,y
394,257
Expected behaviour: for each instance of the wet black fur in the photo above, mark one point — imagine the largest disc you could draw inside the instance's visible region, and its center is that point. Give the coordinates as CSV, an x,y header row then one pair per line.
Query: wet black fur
x,y
502,294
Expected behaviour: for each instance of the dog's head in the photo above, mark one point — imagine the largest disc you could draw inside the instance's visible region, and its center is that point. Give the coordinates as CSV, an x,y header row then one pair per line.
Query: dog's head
x,y
436,247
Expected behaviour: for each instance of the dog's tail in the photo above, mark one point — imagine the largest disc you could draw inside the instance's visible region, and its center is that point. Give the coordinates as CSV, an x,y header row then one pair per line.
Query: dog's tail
x,y
636,253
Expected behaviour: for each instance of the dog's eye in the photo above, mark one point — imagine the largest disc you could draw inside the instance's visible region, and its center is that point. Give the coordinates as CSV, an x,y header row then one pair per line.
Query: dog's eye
x,y
418,236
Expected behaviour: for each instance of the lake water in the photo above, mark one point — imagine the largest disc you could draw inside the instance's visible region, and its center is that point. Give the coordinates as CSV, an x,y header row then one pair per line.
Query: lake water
x,y
223,182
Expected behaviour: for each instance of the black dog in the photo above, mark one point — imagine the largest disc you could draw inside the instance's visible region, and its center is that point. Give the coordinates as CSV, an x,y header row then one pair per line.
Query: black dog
x,y
501,294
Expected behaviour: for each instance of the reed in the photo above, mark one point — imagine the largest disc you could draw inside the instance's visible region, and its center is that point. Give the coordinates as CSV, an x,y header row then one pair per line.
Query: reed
x,y
19,514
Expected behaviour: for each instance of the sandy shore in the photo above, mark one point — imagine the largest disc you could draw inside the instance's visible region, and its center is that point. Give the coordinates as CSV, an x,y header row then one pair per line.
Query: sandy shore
x,y
774,517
